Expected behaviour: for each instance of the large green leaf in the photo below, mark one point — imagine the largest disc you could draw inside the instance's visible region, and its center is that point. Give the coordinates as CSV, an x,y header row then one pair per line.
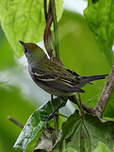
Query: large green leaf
x,y
32,130
80,52
6,54
100,17
84,134
24,20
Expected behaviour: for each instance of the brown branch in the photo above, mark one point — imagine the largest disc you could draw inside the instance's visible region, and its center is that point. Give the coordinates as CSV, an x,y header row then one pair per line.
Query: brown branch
x,y
55,25
47,30
15,122
100,107
51,41
47,33
45,10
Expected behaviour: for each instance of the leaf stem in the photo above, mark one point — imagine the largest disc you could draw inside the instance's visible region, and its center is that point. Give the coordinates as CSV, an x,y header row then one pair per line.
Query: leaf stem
x,y
56,126
75,101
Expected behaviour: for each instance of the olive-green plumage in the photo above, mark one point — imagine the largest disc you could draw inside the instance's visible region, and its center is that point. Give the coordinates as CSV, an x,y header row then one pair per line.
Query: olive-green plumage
x,y
51,75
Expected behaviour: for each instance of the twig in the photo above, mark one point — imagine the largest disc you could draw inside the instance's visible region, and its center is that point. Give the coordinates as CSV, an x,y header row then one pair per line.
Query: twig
x,y
100,107
47,35
45,10
56,37
15,122
49,43
47,30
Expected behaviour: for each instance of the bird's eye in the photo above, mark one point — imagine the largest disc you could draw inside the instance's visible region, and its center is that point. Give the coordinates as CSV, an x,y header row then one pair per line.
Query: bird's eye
x,y
26,50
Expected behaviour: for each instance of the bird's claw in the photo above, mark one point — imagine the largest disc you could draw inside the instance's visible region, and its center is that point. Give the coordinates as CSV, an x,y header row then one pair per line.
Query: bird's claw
x,y
49,117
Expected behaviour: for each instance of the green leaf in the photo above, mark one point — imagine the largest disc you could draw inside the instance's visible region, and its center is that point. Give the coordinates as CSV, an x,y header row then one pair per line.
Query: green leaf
x,y
102,148
100,17
75,135
83,134
6,54
24,20
32,130
68,149
80,52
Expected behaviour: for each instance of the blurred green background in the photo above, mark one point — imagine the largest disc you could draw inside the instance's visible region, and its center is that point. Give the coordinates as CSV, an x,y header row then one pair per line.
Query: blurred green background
x,y
19,96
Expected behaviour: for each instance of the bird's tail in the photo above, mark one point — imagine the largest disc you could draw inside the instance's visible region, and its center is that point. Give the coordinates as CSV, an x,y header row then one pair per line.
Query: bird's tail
x,y
87,79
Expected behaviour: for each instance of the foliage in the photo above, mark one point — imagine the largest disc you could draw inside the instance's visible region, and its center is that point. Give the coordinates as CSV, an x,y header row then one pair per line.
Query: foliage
x,y
85,47
85,59
34,126
22,20
100,17
84,134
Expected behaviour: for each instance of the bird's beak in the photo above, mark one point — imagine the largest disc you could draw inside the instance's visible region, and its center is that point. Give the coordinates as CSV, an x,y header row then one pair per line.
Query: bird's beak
x,y
22,43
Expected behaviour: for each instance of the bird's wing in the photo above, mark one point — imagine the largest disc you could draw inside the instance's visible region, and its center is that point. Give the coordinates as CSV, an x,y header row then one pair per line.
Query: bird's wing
x,y
44,76
72,72
55,81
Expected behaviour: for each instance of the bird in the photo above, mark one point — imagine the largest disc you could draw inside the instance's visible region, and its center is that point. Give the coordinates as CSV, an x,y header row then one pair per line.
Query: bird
x,y
52,76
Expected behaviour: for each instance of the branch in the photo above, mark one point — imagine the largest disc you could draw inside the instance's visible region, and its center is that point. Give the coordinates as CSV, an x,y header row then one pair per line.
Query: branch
x,y
45,10
15,122
56,37
47,31
50,40
100,107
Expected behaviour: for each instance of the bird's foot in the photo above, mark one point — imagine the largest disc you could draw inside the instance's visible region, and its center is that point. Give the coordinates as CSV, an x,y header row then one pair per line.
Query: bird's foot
x,y
50,116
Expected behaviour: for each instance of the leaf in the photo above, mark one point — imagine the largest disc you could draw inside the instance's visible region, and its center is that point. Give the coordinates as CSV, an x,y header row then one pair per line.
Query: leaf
x,y
84,134
100,17
102,148
32,130
75,135
6,53
68,149
80,52
24,20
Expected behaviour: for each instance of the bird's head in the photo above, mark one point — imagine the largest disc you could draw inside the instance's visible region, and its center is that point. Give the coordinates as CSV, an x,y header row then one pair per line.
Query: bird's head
x,y
33,52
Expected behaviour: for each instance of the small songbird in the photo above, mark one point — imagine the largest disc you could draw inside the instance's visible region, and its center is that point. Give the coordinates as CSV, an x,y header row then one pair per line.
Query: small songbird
x,y
52,76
